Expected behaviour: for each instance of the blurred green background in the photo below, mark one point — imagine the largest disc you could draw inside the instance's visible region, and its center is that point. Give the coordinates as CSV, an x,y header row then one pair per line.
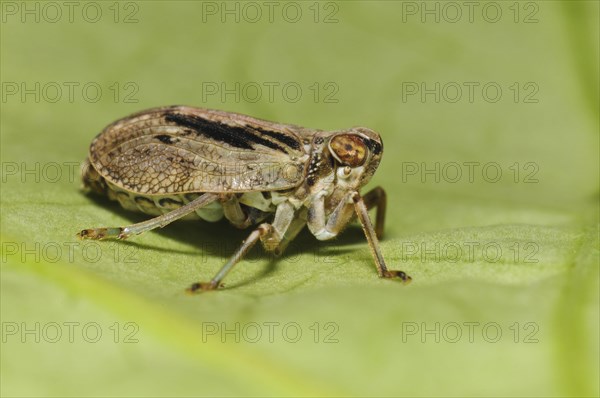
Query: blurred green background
x,y
504,299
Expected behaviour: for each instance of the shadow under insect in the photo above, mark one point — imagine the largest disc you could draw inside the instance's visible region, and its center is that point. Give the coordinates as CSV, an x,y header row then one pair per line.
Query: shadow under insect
x,y
221,239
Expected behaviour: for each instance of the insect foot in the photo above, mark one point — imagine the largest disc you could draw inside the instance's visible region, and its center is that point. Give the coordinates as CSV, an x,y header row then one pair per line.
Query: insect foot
x,y
203,287
102,233
397,274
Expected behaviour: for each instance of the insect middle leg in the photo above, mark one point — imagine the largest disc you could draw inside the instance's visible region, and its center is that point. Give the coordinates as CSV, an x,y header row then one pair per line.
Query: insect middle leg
x,y
233,212
275,237
160,221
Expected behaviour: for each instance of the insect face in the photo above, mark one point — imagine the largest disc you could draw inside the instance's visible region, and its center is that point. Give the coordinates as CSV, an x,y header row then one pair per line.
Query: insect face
x,y
358,153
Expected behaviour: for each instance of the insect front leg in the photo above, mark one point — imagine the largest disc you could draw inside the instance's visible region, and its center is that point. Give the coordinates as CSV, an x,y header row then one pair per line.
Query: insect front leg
x,y
271,235
160,221
324,228
351,203
377,198
365,221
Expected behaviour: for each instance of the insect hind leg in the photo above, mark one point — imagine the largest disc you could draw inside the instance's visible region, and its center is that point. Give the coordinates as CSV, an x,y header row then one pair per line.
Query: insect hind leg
x,y
157,222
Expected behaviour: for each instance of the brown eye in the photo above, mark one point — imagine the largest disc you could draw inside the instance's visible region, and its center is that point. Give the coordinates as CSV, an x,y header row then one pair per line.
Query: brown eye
x,y
349,149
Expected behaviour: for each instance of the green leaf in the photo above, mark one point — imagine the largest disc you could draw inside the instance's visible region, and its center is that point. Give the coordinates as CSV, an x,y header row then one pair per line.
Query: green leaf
x,y
505,292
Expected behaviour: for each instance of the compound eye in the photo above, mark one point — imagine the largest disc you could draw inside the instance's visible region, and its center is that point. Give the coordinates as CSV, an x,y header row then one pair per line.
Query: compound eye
x,y
348,149
347,170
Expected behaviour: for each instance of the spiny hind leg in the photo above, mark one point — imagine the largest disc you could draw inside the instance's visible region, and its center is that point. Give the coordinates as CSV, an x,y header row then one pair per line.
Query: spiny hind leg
x,y
157,222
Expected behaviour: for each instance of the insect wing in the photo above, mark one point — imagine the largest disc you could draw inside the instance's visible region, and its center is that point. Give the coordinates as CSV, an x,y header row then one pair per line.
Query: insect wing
x,y
184,149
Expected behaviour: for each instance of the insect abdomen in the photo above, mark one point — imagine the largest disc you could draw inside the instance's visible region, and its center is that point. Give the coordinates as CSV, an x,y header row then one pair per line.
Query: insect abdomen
x,y
154,205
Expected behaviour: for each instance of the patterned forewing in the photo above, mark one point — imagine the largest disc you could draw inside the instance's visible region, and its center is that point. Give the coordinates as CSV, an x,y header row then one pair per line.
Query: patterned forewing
x,y
183,149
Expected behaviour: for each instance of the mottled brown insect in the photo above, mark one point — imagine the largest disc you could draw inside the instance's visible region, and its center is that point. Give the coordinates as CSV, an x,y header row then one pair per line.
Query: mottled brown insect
x,y
181,162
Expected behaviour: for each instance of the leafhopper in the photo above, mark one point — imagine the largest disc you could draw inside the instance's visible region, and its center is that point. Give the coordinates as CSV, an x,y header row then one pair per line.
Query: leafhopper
x,y
181,162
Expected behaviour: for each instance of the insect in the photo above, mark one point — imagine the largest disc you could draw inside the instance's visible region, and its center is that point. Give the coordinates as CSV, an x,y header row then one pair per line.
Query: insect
x,y
181,162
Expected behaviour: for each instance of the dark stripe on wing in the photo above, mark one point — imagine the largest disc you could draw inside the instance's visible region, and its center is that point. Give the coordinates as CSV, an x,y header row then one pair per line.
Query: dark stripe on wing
x,y
249,133
236,136
208,128
281,137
